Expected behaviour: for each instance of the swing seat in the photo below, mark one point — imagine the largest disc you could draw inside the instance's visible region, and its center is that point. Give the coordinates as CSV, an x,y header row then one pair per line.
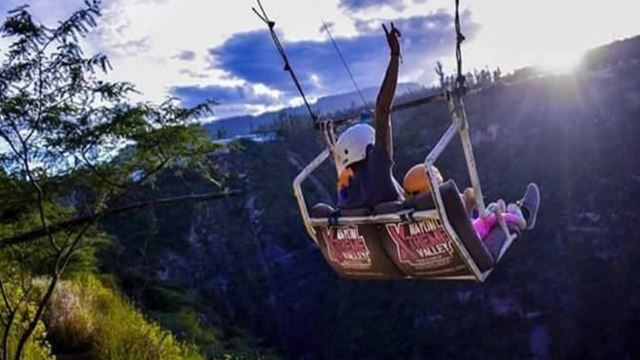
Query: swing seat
x,y
420,245
428,237
405,239
353,250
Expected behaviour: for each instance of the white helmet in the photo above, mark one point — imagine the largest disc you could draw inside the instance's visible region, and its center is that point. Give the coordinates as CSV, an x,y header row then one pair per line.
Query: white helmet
x,y
351,147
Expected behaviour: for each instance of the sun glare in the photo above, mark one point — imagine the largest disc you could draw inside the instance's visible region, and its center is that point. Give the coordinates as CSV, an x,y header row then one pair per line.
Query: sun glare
x,y
560,62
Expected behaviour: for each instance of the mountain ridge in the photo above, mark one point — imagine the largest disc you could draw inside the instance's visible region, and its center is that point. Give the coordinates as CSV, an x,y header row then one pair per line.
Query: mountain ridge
x,y
617,52
245,124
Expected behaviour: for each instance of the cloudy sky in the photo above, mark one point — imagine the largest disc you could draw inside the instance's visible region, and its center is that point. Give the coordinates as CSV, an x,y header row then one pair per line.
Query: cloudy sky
x,y
197,49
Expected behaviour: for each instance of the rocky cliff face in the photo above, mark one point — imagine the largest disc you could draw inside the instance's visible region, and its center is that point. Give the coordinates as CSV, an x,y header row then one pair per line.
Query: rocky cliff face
x,y
567,289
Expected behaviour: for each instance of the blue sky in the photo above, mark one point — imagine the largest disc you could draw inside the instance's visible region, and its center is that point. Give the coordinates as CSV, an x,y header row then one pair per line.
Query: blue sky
x,y
197,49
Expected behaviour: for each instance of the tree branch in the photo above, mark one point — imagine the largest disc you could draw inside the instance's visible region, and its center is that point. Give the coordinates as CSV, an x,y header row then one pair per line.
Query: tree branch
x,y
98,173
5,337
33,322
64,225
5,298
34,182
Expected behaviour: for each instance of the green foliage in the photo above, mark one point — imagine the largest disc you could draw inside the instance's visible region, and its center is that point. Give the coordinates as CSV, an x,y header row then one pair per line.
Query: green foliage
x,y
211,341
17,311
70,137
72,147
36,259
57,112
187,324
86,315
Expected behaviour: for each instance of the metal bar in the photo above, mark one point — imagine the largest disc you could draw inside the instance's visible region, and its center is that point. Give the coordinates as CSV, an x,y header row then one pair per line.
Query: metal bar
x,y
403,106
437,150
442,278
505,230
435,193
398,107
458,126
468,154
297,191
503,224
376,219
485,275
418,102
506,246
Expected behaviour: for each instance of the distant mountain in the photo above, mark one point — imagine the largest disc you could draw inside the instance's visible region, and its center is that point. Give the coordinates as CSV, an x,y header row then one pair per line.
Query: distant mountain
x,y
242,125
616,53
613,54
342,102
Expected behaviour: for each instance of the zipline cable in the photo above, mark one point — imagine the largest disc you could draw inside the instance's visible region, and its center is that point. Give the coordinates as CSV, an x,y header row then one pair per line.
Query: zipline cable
x,y
460,86
287,66
344,63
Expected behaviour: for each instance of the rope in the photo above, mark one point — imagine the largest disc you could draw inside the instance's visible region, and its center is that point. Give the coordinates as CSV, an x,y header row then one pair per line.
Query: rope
x,y
287,65
460,80
344,62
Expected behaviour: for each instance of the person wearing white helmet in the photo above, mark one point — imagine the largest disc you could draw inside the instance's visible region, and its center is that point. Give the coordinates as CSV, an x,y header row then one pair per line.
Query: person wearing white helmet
x,y
364,155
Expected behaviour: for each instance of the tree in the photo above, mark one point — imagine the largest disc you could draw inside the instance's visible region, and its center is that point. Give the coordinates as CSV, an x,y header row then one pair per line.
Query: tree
x,y
72,147
440,72
497,75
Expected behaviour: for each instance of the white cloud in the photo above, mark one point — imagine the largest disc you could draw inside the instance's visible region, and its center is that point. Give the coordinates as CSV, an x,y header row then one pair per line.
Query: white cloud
x,y
144,37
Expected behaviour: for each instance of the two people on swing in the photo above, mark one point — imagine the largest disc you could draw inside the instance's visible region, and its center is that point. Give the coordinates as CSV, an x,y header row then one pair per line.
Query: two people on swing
x,y
364,162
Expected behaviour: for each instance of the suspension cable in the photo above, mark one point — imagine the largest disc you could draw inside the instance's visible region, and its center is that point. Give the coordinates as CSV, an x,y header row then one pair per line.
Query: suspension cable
x,y
344,63
460,86
287,65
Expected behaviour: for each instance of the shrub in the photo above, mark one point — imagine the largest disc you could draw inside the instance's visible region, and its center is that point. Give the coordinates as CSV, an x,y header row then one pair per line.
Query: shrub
x,y
70,318
37,347
87,314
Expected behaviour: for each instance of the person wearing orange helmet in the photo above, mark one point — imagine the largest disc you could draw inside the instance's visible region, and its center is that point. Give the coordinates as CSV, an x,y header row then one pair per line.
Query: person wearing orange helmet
x,y
520,215
416,182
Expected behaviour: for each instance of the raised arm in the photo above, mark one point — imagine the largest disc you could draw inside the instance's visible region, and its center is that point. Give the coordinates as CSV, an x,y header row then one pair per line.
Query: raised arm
x,y
384,135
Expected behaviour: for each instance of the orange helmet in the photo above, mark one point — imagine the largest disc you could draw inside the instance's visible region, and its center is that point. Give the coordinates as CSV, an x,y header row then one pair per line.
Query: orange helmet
x,y
416,182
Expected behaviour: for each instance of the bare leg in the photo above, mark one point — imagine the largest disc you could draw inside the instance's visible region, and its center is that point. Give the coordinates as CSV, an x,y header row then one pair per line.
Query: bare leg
x,y
469,201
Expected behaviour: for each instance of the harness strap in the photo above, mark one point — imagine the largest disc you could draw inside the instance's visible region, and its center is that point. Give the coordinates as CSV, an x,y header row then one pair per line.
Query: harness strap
x,y
333,218
407,216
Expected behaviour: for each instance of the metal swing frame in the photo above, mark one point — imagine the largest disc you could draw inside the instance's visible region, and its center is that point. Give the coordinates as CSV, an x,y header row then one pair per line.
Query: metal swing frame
x,y
459,126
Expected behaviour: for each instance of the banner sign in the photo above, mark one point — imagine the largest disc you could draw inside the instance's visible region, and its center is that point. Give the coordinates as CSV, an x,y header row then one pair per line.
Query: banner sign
x,y
346,247
424,245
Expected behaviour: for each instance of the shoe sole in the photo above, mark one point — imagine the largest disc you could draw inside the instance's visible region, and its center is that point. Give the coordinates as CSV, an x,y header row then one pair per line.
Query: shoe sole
x,y
531,201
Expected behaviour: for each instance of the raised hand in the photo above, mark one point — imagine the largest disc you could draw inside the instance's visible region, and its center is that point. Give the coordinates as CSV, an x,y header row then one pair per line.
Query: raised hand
x,y
392,39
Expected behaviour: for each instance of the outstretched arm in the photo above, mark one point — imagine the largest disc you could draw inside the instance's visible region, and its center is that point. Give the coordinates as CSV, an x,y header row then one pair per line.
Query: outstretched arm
x,y
387,91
